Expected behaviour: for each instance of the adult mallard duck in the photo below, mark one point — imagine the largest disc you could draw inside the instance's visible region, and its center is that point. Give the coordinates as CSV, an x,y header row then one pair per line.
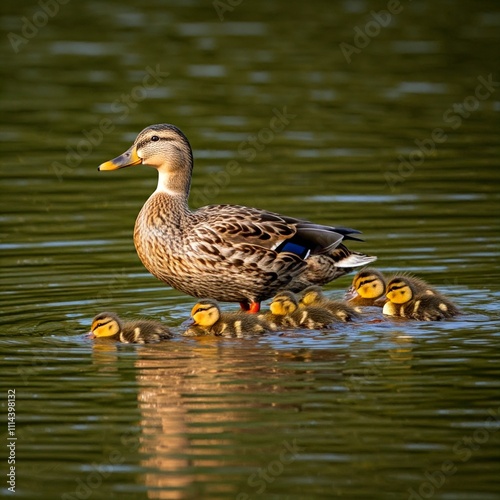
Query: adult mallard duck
x,y
208,319
109,325
314,296
404,300
230,253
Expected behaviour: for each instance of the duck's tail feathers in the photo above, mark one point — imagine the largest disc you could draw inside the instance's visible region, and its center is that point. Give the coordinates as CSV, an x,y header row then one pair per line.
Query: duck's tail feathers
x,y
323,239
355,259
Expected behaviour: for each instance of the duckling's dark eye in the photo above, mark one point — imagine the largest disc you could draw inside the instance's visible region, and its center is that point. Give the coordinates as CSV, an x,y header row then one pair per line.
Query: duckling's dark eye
x,y
155,138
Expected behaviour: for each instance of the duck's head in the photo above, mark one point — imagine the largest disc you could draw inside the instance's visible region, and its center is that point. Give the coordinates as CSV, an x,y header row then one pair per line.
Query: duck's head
x,y
161,146
368,284
312,295
399,290
205,313
284,303
105,324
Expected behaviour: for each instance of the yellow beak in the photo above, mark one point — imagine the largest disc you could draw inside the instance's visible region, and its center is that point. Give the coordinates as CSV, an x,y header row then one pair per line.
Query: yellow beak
x,y
126,159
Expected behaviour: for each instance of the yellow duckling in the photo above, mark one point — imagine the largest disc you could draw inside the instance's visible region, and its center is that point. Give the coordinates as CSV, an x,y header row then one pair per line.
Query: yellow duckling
x,y
418,285
208,319
405,301
367,289
314,296
286,313
109,325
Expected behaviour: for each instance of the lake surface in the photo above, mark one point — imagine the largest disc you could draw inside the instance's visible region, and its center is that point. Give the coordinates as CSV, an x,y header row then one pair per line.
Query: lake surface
x,y
389,123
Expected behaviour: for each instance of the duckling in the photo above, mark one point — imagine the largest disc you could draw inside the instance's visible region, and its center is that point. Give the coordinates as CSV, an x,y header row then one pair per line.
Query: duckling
x,y
367,289
286,313
405,301
109,325
314,296
418,284
207,319
281,314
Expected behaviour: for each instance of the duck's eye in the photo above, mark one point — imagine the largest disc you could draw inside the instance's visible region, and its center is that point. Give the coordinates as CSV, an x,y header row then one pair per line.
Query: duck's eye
x,y
155,138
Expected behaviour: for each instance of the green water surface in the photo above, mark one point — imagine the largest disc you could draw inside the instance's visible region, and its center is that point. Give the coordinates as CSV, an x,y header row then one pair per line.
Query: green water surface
x,y
382,116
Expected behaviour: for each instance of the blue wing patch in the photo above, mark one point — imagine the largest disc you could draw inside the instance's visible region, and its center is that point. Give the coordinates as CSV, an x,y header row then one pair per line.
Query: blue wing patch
x,y
300,250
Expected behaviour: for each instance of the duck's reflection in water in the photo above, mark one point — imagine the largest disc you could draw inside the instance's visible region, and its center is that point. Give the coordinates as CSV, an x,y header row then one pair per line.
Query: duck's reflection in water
x,y
184,404
198,406
200,401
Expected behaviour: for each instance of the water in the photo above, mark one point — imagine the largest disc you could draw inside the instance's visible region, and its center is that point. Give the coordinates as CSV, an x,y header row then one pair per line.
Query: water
x,y
402,142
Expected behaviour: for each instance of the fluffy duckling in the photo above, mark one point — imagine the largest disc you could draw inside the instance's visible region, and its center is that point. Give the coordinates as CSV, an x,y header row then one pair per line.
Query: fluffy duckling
x,y
404,300
286,313
208,319
109,325
367,289
418,285
314,296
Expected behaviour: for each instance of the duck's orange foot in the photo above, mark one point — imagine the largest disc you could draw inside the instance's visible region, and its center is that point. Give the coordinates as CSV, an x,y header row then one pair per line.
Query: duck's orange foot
x,y
251,308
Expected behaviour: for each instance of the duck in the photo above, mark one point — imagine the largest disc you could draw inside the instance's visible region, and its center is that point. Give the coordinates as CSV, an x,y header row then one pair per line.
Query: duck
x,y
314,296
208,319
404,300
286,313
367,289
229,253
109,325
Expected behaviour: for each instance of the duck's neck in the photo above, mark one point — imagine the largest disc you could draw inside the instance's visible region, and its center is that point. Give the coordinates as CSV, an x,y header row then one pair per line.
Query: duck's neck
x,y
175,186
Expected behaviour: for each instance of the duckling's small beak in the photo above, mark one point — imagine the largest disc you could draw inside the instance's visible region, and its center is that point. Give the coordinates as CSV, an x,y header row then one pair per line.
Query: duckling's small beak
x,y
381,301
350,294
189,322
91,335
126,159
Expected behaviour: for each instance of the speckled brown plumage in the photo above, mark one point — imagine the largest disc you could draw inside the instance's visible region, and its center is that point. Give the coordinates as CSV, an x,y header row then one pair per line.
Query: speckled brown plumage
x,y
230,253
